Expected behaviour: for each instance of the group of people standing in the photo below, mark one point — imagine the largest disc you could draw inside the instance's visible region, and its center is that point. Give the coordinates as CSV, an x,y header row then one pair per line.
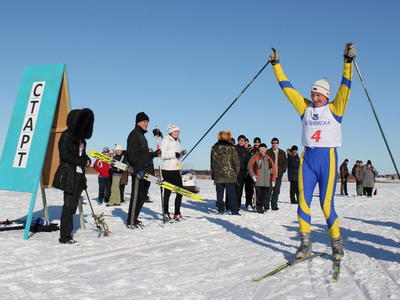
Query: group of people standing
x,y
112,181
363,174
256,169
321,121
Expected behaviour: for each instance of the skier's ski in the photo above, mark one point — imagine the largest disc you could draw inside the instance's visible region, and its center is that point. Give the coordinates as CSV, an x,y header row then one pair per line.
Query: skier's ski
x,y
335,271
289,264
148,177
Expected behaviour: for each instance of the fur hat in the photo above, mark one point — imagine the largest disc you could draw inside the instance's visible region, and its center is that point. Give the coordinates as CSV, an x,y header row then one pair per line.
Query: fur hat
x,y
225,135
117,147
322,86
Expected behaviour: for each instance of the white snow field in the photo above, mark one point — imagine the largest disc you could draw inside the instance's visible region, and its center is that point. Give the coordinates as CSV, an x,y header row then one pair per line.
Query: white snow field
x,y
206,256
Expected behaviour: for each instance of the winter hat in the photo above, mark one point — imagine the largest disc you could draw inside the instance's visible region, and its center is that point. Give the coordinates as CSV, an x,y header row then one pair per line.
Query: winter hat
x,y
369,162
141,117
241,137
117,147
257,140
172,128
322,86
224,135
294,147
106,149
263,146
275,139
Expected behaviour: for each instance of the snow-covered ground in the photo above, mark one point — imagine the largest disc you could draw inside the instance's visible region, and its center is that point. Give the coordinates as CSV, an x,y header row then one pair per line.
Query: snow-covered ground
x,y
207,256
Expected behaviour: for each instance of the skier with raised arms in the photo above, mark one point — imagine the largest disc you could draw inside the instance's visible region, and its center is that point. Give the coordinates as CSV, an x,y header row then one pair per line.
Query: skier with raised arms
x,y
321,135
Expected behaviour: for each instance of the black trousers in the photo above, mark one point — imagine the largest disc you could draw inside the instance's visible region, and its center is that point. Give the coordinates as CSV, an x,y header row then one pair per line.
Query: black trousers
x,y
239,189
261,199
133,212
71,201
122,191
175,178
104,188
343,187
294,192
273,194
368,191
249,189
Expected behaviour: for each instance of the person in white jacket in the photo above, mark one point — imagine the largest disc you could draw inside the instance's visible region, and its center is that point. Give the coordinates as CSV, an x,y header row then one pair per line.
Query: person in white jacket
x,y
171,153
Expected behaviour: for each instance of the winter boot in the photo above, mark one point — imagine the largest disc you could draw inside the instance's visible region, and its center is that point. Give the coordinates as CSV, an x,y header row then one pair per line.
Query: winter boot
x,y
305,245
166,217
337,248
177,217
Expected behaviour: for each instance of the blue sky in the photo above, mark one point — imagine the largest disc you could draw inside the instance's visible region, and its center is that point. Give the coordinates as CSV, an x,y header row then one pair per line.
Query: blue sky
x,y
184,62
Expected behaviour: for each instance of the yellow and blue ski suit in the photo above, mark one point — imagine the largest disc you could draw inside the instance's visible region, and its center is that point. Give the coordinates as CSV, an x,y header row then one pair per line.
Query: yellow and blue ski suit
x,y
318,164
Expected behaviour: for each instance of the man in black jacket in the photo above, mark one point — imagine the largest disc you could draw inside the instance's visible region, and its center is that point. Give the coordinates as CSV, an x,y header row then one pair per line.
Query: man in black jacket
x,y
279,158
70,175
244,158
141,159
293,173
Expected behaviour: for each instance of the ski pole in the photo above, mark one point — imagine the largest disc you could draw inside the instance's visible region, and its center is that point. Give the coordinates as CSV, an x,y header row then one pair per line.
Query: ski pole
x,y
226,110
91,207
376,116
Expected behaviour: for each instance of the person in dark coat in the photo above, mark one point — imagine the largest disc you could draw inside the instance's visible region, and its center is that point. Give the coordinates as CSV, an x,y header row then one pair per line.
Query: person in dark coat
x,y
344,173
279,158
141,159
243,157
70,175
225,167
293,173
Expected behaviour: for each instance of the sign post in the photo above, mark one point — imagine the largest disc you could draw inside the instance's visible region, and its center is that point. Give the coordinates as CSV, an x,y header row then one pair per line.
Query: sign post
x,y
30,153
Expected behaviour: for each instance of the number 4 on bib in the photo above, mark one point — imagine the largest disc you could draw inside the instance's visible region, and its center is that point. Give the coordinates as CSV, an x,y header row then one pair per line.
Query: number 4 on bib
x,y
316,136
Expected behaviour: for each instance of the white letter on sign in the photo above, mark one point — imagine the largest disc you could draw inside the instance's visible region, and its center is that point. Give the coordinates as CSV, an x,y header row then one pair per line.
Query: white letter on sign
x,y
28,125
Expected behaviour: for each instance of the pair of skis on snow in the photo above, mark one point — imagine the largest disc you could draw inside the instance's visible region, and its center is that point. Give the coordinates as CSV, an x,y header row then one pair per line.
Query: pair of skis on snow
x,y
153,179
290,263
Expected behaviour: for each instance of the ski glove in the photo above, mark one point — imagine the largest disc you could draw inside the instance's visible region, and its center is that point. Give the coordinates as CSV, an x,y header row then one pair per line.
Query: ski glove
x,y
177,155
349,52
140,174
157,132
274,57
183,152
157,153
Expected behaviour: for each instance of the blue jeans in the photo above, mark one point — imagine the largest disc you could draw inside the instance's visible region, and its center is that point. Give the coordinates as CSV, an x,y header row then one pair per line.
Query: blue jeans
x,y
230,197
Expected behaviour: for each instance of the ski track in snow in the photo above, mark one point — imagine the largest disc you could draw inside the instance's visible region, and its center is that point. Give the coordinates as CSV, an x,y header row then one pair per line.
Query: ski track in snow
x,y
206,256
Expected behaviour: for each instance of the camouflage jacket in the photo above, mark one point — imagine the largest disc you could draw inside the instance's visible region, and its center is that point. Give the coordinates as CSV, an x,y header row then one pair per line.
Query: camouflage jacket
x,y
225,163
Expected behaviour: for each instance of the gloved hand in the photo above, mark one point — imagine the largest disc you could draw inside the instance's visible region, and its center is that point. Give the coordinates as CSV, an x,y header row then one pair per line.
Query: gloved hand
x,y
274,57
273,183
140,174
349,52
254,178
157,153
183,152
157,132
177,155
